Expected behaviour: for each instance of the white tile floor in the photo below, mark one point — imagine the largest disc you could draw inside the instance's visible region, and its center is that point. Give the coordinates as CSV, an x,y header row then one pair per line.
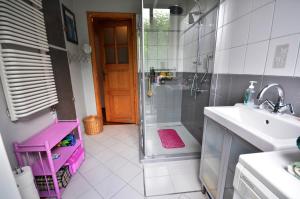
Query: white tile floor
x,y
153,144
112,168
171,177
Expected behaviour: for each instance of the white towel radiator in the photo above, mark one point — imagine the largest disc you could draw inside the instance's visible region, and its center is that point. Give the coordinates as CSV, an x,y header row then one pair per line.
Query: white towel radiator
x,y
25,67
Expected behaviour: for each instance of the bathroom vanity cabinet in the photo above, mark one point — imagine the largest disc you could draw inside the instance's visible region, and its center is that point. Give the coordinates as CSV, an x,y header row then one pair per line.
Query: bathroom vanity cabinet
x,y
220,153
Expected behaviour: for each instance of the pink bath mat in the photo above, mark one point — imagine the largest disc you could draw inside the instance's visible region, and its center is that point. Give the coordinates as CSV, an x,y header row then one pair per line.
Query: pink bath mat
x,y
170,139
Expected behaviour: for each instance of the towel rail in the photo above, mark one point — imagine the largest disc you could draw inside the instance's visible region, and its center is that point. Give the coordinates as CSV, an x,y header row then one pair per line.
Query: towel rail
x,y
36,100
32,94
36,109
27,75
15,16
32,86
37,96
30,79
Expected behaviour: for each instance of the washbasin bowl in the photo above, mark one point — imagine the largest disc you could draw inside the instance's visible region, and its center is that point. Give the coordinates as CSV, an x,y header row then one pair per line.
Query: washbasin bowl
x,y
266,131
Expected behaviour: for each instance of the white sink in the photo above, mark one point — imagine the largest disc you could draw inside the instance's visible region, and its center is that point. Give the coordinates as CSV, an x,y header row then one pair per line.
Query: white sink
x,y
267,131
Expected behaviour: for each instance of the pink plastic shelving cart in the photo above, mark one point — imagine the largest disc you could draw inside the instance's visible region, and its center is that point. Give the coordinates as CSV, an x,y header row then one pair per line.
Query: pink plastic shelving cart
x,y
37,152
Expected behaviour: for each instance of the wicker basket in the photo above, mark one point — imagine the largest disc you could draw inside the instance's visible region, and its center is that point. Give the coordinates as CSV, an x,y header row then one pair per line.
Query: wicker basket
x,y
92,125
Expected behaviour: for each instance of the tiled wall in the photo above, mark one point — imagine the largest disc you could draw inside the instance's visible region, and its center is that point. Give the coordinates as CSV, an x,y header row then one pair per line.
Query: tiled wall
x,y
206,43
164,106
164,51
162,47
228,89
250,32
256,40
173,102
192,116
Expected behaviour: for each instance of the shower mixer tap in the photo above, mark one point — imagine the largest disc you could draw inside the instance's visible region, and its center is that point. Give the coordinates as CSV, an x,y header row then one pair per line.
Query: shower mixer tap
x,y
195,89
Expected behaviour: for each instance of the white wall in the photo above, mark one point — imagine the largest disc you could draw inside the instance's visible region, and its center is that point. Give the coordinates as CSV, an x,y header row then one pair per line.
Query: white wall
x,y
164,49
249,33
80,8
206,38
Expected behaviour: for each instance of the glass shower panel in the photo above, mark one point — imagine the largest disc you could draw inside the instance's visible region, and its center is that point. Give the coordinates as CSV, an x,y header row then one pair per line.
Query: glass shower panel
x,y
163,99
171,47
163,78
141,85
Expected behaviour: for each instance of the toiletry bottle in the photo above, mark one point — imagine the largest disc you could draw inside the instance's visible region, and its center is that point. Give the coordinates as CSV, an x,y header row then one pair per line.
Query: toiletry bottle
x,y
249,94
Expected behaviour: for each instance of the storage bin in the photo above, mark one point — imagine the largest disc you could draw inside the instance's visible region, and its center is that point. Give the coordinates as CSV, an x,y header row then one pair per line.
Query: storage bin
x,y
75,160
63,179
92,125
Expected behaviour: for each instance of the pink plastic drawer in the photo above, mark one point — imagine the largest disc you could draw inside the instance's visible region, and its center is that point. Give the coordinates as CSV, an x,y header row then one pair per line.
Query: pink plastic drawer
x,y
75,160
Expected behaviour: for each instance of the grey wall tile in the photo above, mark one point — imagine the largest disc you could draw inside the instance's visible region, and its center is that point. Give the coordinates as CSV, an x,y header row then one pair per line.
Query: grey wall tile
x,y
165,104
220,89
220,101
229,89
192,110
239,83
223,85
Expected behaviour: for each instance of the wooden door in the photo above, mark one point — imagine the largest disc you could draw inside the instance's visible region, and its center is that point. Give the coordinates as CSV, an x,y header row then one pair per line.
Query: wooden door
x,y
116,44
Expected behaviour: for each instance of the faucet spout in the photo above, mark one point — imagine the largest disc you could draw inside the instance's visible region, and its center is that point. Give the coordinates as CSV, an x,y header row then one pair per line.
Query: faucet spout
x,y
281,94
277,107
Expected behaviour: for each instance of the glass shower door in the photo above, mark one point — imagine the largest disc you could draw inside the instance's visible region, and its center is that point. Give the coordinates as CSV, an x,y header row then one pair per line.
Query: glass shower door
x,y
162,77
172,57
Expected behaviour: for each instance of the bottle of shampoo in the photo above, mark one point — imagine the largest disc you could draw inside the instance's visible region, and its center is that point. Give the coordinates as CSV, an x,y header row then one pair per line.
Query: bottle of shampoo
x,y
249,94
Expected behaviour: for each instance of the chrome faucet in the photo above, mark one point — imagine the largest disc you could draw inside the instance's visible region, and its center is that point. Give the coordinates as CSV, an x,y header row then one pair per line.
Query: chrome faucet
x,y
278,106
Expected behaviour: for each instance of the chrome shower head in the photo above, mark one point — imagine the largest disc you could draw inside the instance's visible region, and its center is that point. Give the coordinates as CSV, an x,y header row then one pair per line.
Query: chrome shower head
x,y
198,12
191,18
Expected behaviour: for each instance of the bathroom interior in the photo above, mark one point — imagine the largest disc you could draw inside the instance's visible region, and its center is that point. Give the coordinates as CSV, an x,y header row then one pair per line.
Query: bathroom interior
x,y
150,99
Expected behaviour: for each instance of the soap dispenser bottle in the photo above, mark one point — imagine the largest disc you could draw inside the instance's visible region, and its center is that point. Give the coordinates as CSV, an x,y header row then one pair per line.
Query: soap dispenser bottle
x,y
249,94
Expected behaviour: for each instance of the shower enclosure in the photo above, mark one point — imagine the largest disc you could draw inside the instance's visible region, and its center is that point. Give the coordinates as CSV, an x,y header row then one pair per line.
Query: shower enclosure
x,y
177,54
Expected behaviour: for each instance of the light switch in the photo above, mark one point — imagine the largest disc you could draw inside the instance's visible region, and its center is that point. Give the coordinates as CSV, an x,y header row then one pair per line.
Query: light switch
x,y
280,57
